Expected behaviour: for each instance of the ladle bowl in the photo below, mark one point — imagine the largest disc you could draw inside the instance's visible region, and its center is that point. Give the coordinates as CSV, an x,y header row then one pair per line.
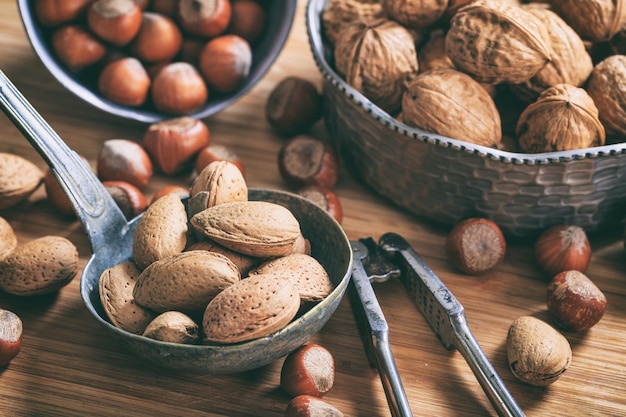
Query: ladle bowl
x,y
111,236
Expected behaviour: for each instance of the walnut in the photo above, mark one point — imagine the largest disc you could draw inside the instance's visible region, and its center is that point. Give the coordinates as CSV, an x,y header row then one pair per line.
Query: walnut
x,y
496,42
377,58
415,14
570,62
607,87
452,104
339,13
564,117
595,20
433,54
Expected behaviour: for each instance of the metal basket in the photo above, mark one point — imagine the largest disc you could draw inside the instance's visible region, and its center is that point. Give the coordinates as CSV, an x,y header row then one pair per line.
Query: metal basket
x,y
446,180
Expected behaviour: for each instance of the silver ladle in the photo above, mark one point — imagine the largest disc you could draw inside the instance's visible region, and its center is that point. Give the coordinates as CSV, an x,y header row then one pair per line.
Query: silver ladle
x,y
111,239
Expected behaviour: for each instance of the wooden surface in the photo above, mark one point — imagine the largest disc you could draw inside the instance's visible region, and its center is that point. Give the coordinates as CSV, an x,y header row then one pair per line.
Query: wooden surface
x,y
69,365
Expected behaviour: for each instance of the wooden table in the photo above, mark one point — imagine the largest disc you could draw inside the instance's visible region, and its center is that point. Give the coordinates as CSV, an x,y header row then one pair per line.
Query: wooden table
x,y
70,366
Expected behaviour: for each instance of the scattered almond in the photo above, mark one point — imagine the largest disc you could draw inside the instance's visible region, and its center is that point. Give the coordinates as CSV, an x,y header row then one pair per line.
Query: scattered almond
x,y
19,178
8,239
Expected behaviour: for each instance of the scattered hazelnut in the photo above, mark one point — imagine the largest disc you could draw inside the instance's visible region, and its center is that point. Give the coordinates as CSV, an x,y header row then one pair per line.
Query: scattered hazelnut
x,y
76,47
124,160
310,406
537,353
561,248
309,370
183,192
293,106
125,81
325,198
173,143
304,160
476,246
204,18
54,12
217,152
225,62
248,20
159,38
10,336
178,88
115,21
131,201
574,301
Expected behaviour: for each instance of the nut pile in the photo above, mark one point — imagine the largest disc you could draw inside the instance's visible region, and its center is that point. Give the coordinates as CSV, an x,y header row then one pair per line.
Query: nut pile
x,y
223,270
521,76
170,55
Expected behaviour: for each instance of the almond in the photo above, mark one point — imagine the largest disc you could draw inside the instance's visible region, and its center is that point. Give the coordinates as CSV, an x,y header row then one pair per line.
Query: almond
x,y
255,228
243,262
223,181
41,266
19,178
306,273
254,307
116,295
161,231
8,239
173,327
186,281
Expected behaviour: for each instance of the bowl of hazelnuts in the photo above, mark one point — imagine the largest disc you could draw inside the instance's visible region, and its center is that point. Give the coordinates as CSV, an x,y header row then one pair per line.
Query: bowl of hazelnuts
x,y
149,60
513,111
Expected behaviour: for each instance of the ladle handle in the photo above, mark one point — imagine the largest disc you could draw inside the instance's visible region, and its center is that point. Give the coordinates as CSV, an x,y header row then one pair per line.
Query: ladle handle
x,y
92,203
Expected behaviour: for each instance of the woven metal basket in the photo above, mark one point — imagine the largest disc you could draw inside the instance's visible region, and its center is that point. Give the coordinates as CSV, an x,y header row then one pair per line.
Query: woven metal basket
x,y
446,180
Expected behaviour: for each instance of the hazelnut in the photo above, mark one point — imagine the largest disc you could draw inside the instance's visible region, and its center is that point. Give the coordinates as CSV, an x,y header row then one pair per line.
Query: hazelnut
x,y
204,18
125,81
561,248
131,201
310,406
115,21
76,47
10,336
178,88
124,160
574,301
217,152
309,370
183,192
54,12
293,106
225,62
190,50
173,143
159,38
304,160
248,20
325,198
536,352
56,196
165,7
142,4
475,246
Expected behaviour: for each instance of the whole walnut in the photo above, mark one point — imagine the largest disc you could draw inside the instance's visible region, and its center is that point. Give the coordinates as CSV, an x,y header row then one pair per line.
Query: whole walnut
x,y
497,42
564,117
452,104
607,87
594,20
432,54
340,13
415,14
570,62
377,58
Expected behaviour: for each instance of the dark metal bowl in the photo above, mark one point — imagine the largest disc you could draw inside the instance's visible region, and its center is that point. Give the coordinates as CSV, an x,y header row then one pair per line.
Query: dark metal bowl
x,y
280,14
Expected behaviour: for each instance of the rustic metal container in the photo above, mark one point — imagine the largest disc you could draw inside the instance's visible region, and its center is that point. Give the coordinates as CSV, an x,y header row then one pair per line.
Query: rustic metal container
x,y
445,180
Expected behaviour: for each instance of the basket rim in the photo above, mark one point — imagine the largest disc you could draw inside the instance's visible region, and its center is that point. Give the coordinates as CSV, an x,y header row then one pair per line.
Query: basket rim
x,y
316,43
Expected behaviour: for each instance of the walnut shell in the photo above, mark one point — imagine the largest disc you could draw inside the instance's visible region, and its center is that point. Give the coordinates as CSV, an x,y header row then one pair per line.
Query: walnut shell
x,y
570,62
564,117
432,54
415,14
594,20
340,13
607,87
497,42
377,58
452,104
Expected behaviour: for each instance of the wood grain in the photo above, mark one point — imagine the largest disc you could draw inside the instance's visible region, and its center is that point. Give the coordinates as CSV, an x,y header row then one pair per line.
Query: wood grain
x,y
69,366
